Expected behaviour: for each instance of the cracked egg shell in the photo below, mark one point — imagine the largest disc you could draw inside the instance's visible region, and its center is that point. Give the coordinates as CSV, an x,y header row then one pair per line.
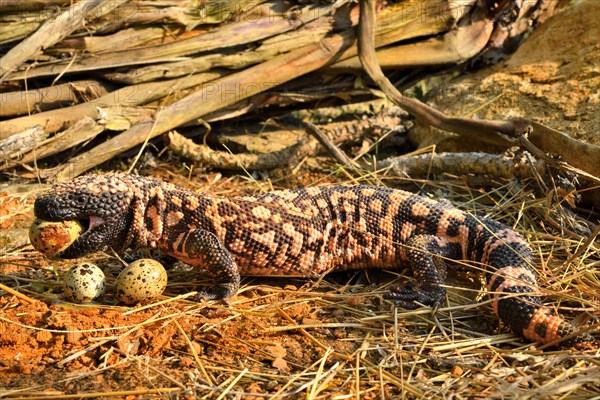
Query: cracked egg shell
x,y
84,282
50,238
141,282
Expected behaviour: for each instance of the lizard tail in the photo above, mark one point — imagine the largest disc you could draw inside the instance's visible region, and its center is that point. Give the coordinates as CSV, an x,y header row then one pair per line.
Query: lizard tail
x,y
513,300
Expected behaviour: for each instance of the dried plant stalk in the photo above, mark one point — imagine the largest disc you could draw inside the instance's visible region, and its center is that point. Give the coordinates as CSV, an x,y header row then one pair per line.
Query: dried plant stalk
x,y
53,31
30,101
55,120
220,93
234,34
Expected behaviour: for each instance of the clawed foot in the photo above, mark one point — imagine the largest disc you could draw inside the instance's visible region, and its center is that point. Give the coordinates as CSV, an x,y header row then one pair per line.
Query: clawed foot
x,y
411,296
223,292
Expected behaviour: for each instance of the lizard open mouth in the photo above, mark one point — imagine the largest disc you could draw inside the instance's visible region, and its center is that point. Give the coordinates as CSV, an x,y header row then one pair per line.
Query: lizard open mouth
x,y
91,222
67,232
93,232
87,224
99,227
93,237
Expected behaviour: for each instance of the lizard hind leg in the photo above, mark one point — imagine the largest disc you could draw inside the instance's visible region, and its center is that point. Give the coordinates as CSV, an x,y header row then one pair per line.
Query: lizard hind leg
x,y
425,254
203,248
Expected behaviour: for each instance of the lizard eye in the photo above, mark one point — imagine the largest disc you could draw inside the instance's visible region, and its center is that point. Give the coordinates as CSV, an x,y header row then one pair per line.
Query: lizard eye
x,y
80,199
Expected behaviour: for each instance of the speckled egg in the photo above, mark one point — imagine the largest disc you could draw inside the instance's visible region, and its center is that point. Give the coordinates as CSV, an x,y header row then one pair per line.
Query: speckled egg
x,y
141,281
50,238
84,282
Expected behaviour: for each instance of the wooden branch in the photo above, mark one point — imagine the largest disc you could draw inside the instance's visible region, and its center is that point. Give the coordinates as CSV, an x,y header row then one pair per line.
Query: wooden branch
x,y
585,157
80,132
282,143
47,98
234,34
20,143
15,27
282,43
122,40
213,97
182,13
56,120
423,112
53,31
456,46
204,155
478,163
30,5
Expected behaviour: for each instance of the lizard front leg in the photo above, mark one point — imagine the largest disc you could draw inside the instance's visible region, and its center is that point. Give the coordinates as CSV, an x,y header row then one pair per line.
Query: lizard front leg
x,y
426,255
203,248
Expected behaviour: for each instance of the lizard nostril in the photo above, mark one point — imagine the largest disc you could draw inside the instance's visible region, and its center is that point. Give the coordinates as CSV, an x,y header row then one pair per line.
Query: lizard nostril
x,y
46,207
51,208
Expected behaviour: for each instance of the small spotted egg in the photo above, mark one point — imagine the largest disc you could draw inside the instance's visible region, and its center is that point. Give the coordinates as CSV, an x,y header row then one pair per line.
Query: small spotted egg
x,y
141,281
50,238
84,282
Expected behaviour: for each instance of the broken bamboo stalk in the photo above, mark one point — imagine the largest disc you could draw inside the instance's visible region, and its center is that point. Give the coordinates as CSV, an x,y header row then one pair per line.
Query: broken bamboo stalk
x,y
215,96
47,98
53,31
56,120
234,34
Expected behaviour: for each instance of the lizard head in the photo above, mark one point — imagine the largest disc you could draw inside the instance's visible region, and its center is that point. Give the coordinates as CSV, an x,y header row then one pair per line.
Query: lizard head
x,y
102,204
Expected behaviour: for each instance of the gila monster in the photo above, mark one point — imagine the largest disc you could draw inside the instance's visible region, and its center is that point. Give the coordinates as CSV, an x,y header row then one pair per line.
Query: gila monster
x,y
308,231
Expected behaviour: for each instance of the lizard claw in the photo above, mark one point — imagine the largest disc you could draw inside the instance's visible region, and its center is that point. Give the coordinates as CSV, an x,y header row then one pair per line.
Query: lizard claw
x,y
223,293
410,296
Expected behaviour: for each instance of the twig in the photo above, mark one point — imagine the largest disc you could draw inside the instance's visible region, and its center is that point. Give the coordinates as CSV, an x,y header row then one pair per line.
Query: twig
x,y
17,294
334,150
203,154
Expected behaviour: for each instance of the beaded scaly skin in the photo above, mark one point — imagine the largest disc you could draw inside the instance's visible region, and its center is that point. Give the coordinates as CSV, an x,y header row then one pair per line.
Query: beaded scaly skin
x,y
308,231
